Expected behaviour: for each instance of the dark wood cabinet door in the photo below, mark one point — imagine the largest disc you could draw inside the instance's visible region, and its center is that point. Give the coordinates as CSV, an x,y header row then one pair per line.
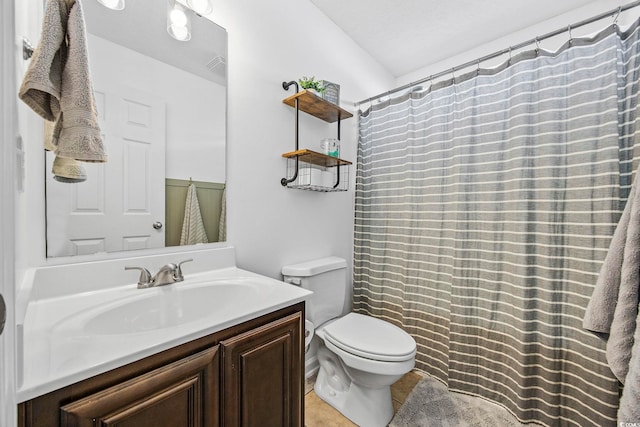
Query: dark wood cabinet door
x,y
184,393
263,375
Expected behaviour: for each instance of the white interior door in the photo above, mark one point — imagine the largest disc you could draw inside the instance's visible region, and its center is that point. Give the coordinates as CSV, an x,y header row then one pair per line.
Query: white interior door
x,y
122,199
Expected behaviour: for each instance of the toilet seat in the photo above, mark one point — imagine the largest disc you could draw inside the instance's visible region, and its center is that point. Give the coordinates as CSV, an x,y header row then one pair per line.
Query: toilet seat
x,y
370,338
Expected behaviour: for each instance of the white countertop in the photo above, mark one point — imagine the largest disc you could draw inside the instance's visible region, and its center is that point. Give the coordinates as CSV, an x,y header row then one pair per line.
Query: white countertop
x,y
67,337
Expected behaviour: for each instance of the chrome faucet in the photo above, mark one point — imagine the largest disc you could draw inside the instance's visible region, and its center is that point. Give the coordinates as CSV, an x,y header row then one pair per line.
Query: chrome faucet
x,y
145,279
168,274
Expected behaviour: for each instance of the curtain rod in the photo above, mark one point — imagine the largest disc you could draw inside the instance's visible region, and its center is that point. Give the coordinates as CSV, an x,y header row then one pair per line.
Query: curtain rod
x,y
535,40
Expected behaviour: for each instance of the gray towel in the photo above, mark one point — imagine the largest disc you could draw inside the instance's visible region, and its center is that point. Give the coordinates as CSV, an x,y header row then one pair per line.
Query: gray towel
x,y
42,82
57,84
612,312
629,411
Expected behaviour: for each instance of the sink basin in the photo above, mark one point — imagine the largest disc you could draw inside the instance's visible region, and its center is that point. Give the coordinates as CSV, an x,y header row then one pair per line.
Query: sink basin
x,y
167,306
82,319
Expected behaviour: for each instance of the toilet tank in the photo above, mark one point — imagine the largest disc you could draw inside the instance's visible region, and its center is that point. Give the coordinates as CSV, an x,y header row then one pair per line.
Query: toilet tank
x,y
327,279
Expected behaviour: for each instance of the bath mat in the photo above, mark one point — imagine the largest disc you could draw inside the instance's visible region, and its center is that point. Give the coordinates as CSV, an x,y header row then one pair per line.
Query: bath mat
x,y
431,404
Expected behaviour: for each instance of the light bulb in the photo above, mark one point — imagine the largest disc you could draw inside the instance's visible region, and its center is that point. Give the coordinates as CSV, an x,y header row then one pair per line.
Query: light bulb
x,y
201,7
112,4
178,25
179,32
178,18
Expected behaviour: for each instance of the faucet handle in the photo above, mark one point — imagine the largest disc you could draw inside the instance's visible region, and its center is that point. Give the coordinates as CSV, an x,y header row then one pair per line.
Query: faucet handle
x,y
178,274
145,279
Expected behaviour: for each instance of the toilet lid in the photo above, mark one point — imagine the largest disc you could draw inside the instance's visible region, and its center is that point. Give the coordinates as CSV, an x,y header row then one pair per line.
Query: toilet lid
x,y
371,338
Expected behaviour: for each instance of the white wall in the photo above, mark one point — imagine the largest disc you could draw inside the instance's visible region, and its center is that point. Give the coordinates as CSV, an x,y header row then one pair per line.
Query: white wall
x,y
195,117
30,230
270,42
561,21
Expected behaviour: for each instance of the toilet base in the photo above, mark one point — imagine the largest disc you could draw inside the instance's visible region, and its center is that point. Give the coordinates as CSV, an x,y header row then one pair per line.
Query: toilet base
x,y
366,407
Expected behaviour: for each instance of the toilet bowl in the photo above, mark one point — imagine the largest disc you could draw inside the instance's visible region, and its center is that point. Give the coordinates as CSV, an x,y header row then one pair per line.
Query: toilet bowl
x,y
359,356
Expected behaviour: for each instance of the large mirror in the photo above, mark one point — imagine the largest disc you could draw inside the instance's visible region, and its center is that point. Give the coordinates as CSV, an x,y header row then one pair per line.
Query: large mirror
x,y
162,112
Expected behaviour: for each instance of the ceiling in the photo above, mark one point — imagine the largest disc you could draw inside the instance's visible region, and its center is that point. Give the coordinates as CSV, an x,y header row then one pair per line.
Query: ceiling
x,y
407,35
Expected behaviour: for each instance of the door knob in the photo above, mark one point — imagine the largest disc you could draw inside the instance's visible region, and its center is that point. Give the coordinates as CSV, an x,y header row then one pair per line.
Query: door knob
x,y
157,225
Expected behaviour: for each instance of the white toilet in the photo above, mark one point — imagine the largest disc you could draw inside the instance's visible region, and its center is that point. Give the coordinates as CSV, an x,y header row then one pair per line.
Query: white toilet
x,y
359,356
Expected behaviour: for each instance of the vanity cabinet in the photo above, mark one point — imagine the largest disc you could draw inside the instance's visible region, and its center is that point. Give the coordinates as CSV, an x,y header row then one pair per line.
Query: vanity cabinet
x,y
247,375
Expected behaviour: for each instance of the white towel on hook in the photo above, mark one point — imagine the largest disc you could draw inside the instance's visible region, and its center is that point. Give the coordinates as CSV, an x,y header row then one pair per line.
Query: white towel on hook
x,y
222,230
193,231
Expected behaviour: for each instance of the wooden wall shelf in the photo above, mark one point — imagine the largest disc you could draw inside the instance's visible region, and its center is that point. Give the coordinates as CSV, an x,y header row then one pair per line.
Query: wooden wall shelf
x,y
317,107
315,158
310,170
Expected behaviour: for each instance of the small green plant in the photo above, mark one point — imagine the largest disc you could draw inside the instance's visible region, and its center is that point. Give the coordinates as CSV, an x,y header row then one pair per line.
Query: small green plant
x,y
311,83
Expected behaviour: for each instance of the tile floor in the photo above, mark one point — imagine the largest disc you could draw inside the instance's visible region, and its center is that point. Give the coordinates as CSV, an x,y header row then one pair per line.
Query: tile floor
x,y
320,414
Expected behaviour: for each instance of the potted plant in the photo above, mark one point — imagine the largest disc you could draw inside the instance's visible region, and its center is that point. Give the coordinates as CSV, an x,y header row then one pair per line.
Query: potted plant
x,y
310,84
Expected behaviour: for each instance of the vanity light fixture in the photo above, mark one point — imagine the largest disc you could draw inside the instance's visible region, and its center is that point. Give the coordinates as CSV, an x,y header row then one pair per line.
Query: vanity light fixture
x,y
178,25
112,4
201,7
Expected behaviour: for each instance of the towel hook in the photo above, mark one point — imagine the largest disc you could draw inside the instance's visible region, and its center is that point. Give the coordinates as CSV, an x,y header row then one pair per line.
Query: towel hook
x,y
27,48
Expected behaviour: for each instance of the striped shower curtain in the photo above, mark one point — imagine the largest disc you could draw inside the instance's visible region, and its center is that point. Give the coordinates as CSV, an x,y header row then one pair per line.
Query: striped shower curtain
x,y
484,209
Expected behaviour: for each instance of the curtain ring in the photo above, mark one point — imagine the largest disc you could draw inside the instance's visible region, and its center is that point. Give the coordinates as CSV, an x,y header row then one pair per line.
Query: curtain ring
x,y
509,62
570,36
537,46
478,68
615,18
